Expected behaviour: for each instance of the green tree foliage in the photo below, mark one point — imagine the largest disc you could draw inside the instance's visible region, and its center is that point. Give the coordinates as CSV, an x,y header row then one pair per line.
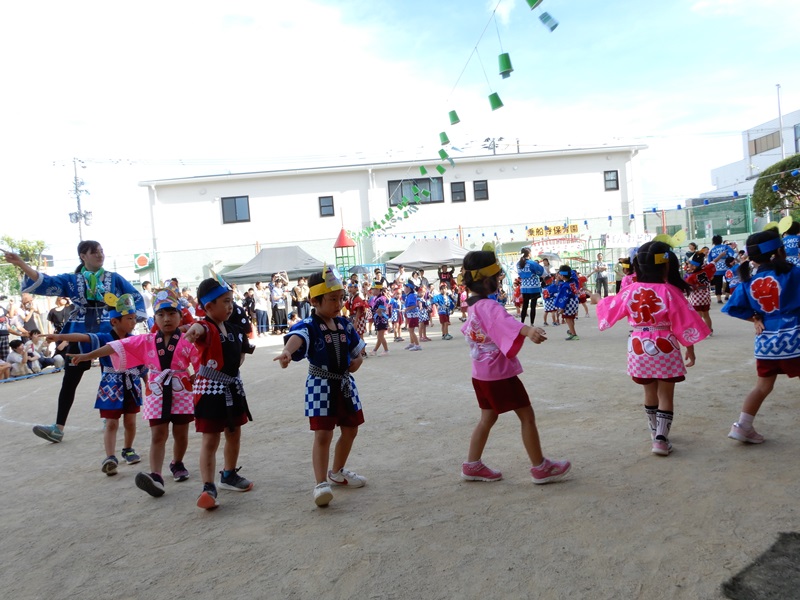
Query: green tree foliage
x,y
31,253
764,198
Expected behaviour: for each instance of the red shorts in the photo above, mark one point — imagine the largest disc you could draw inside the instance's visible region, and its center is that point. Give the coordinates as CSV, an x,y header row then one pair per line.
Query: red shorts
x,y
129,407
412,322
342,419
702,308
202,425
649,380
782,366
502,395
174,419
444,318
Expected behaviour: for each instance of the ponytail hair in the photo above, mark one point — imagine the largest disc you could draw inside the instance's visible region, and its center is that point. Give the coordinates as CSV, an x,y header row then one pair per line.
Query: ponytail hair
x,y
649,271
526,254
765,248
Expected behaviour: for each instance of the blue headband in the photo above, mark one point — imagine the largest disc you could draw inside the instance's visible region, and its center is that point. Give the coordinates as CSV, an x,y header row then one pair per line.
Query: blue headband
x,y
214,294
695,263
768,246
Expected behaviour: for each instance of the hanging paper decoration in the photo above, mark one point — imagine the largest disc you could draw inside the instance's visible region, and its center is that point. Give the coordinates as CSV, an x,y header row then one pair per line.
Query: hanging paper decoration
x,y
548,21
534,3
423,171
505,65
494,101
441,169
453,116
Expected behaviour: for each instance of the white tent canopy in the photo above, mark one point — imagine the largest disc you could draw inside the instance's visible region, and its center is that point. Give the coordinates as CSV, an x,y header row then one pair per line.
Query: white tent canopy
x,y
429,255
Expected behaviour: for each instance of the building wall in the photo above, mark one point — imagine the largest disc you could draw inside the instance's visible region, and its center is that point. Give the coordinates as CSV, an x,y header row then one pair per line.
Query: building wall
x,y
284,206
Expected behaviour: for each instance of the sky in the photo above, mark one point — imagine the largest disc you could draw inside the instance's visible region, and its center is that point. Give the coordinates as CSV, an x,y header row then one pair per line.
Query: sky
x,y
150,90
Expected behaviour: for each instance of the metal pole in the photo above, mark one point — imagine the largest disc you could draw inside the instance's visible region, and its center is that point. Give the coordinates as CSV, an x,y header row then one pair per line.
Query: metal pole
x,y
780,122
78,198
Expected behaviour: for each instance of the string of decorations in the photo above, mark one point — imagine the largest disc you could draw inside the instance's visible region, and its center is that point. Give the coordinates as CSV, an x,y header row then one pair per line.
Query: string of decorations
x,y
408,206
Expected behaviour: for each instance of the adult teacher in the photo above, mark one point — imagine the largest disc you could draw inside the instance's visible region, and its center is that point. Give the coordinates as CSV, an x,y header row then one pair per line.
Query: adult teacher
x,y
600,276
86,288
530,277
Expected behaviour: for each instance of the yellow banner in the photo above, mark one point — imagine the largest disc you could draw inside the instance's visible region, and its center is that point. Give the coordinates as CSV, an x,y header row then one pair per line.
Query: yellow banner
x,y
547,231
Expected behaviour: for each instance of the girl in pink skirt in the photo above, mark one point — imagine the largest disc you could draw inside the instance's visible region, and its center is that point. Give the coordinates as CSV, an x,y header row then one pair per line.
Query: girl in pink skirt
x,y
661,319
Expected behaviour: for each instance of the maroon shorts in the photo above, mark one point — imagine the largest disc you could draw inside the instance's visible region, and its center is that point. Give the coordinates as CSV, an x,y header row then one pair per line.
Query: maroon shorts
x,y
174,419
129,407
781,366
342,419
702,307
502,395
444,318
649,380
202,425
412,322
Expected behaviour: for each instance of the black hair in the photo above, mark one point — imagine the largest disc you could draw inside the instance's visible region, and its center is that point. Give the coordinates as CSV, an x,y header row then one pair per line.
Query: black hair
x,y
716,240
206,286
145,283
775,258
794,228
699,258
526,253
473,261
647,271
730,261
84,247
14,344
33,332
313,280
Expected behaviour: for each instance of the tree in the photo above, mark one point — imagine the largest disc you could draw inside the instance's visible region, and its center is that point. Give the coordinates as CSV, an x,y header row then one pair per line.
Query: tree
x,y
31,253
786,175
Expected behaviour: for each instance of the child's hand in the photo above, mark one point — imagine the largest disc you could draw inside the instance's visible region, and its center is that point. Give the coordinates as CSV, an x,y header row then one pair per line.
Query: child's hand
x,y
78,358
194,333
535,334
690,358
284,358
758,324
53,337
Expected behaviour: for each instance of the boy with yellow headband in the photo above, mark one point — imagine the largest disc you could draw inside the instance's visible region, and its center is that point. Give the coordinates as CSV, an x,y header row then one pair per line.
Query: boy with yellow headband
x,y
333,349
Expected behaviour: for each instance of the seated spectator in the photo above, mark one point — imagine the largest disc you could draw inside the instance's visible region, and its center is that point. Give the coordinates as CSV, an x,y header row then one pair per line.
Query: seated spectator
x,y
37,345
21,362
5,370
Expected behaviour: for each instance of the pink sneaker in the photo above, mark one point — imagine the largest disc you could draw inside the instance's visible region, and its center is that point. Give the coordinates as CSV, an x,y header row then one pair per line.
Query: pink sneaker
x,y
479,472
661,447
747,436
550,470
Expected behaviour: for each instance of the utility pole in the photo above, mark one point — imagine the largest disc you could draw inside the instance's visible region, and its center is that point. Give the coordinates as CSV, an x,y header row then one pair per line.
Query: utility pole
x,y
84,216
780,122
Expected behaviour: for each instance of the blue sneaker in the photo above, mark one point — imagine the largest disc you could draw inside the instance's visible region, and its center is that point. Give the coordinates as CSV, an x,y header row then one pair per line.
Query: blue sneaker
x,y
129,456
51,433
109,466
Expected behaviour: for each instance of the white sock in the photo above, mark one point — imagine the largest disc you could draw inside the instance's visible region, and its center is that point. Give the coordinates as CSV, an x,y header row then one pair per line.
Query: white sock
x,y
746,421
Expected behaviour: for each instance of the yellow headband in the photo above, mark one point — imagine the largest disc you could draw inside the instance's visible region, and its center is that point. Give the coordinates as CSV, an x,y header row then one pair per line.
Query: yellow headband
x,y
485,272
332,282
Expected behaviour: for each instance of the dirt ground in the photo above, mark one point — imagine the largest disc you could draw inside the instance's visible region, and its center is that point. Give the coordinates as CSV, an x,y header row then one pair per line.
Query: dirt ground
x,y
623,524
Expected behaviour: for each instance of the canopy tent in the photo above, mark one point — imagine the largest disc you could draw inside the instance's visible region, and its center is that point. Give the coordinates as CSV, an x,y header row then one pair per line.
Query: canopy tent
x,y
429,255
292,259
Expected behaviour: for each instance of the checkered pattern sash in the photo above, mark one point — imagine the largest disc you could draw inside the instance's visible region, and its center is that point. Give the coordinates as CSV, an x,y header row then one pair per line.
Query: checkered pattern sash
x,y
345,387
652,327
220,377
128,375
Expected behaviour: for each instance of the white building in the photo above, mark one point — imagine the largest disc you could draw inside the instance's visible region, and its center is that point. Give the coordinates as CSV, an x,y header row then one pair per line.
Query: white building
x,y
761,148
219,221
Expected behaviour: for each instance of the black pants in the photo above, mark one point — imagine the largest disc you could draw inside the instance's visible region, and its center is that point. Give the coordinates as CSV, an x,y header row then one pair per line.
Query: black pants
x,y
69,384
531,299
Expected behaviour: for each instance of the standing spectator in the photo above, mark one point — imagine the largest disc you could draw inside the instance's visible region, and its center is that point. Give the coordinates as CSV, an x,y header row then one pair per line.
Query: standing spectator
x,y
279,313
530,274
262,306
716,256
300,299
249,305
600,276
86,287
27,315
445,275
3,329
400,276
148,304
380,279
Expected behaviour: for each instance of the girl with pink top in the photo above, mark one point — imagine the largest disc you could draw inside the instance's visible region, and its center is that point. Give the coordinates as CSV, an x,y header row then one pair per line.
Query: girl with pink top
x,y
662,319
495,337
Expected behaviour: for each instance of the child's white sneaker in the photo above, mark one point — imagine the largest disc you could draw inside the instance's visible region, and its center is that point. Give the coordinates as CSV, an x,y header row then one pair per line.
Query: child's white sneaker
x,y
348,478
323,494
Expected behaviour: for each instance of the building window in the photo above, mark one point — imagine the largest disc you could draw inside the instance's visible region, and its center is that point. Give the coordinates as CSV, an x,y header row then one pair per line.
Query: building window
x,y
458,191
431,190
481,190
611,180
236,210
326,206
764,143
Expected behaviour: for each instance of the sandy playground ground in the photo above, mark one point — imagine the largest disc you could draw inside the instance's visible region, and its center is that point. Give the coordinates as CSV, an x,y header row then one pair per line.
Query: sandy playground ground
x,y
623,524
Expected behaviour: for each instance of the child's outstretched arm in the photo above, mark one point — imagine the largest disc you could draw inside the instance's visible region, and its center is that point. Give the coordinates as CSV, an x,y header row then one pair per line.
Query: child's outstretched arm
x,y
67,337
292,346
195,332
535,334
106,350
690,358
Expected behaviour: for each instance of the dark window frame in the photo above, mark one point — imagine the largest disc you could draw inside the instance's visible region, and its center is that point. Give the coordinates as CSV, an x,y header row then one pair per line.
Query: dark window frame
x,y
480,190
457,195
611,180
237,218
397,188
323,207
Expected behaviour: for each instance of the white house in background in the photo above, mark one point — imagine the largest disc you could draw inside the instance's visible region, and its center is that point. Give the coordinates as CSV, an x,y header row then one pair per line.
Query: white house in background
x,y
219,221
761,148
